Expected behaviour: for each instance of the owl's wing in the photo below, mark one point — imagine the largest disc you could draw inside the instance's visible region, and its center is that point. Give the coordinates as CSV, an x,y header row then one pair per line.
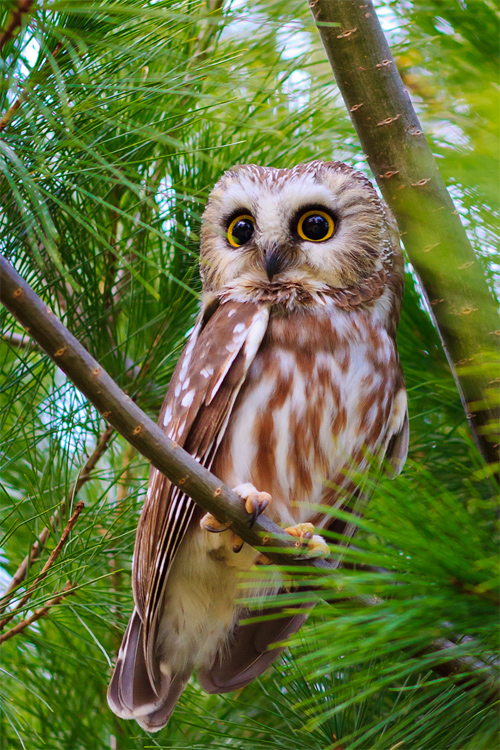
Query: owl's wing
x,y
195,413
398,432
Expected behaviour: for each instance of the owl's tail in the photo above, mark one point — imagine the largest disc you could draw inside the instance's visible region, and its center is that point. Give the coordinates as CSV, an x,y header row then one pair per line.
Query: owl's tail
x,y
131,694
252,649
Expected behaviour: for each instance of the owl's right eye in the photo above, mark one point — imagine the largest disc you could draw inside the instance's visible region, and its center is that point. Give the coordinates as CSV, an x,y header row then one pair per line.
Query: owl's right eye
x,y
240,230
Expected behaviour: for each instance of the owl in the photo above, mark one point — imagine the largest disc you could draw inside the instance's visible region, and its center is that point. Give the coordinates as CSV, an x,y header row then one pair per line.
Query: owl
x,y
288,389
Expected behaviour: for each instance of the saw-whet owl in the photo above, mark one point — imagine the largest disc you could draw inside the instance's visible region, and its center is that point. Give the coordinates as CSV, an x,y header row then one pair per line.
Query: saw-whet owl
x,y
288,385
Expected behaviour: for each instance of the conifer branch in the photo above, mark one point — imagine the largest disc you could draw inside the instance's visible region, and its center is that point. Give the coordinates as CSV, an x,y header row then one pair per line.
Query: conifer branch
x,y
6,119
37,614
23,6
130,421
403,165
84,476
44,572
173,461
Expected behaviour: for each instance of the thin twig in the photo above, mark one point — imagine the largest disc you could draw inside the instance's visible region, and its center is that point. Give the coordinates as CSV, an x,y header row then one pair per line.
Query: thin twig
x,y
23,6
18,340
37,547
174,462
5,120
43,573
37,614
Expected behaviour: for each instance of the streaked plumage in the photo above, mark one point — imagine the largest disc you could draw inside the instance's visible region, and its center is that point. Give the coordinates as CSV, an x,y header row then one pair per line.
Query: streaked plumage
x,y
290,381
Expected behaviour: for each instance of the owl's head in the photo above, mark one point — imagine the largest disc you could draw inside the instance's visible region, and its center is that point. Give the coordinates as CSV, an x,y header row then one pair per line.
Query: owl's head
x,y
319,225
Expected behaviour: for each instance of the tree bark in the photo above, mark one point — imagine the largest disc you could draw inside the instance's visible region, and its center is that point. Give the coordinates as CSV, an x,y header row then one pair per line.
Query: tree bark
x,y
459,299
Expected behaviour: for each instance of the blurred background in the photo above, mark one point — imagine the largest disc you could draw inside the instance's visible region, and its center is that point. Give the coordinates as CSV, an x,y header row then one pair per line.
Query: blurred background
x,y
116,119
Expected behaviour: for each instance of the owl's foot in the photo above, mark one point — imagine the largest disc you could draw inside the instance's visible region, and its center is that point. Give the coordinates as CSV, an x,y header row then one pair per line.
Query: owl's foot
x,y
236,543
314,544
255,502
210,523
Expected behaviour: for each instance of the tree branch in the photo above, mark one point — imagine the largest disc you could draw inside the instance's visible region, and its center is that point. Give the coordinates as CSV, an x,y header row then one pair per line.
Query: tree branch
x,y
23,6
37,547
406,172
173,461
36,614
6,119
18,340
135,426
43,573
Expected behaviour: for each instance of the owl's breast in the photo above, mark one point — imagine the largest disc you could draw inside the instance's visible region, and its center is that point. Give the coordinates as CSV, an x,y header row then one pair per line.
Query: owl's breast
x,y
316,402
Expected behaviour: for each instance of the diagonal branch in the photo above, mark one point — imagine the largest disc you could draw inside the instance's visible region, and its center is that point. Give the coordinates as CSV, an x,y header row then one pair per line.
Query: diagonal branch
x,y
131,422
37,614
43,573
407,174
173,461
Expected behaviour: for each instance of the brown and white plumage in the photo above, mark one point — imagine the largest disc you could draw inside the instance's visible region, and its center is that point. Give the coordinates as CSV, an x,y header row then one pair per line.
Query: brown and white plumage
x,y
290,382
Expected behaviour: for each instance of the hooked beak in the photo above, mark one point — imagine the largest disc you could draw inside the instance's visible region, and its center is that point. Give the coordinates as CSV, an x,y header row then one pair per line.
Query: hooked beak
x,y
274,262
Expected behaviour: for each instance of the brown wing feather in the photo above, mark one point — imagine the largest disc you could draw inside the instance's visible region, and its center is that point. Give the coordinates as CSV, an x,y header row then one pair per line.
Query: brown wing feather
x,y
195,413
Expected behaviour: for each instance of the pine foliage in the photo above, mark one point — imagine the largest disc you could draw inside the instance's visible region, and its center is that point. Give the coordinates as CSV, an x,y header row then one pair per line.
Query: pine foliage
x,y
118,117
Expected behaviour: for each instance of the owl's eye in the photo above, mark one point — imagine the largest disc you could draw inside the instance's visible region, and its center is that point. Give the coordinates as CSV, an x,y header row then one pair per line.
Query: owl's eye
x,y
315,226
240,230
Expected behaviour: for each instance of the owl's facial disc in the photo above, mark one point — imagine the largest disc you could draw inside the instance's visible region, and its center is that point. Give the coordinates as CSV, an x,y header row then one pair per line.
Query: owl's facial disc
x,y
317,225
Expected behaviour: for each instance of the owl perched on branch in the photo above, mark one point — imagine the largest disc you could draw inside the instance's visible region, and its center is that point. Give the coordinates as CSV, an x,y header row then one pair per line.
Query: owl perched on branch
x,y
289,385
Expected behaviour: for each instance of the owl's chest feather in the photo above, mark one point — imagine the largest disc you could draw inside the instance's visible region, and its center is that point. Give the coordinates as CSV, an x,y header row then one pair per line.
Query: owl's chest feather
x,y
316,399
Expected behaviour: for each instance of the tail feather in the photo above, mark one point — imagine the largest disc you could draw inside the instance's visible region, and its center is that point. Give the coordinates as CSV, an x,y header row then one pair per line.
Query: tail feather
x,y
157,719
249,654
131,694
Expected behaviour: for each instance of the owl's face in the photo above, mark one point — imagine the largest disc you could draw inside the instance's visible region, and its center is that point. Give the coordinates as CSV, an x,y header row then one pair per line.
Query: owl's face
x,y
319,224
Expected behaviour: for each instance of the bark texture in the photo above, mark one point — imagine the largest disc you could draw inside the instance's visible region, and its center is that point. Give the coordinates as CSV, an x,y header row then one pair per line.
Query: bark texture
x,y
452,278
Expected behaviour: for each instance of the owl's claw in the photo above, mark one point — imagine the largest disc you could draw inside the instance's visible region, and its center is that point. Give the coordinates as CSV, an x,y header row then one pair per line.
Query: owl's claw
x,y
307,540
255,502
236,543
210,523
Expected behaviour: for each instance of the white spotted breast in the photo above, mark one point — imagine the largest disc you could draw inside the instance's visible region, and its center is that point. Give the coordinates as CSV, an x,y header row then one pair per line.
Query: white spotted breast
x,y
316,400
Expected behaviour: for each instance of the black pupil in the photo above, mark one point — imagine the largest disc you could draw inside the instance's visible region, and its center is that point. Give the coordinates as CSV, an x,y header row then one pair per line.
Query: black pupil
x,y
315,227
242,231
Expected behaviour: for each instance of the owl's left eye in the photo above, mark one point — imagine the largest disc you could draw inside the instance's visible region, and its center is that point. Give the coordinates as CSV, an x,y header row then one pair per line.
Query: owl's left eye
x,y
240,230
315,226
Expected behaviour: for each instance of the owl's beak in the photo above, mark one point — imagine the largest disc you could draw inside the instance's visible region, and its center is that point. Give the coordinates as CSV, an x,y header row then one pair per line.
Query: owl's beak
x,y
274,262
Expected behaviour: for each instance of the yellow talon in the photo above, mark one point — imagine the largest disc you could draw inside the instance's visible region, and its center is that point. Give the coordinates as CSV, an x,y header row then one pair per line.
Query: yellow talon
x,y
313,543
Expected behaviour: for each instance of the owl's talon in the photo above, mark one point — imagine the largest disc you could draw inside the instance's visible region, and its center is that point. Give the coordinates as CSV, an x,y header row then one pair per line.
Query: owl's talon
x,y
262,560
306,540
236,543
255,502
210,523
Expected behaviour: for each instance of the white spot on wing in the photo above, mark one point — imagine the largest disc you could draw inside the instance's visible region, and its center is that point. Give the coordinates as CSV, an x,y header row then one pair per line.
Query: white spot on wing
x,y
188,398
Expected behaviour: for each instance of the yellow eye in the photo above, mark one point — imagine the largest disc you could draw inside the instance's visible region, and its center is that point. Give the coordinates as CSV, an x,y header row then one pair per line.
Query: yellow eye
x,y
315,226
240,230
